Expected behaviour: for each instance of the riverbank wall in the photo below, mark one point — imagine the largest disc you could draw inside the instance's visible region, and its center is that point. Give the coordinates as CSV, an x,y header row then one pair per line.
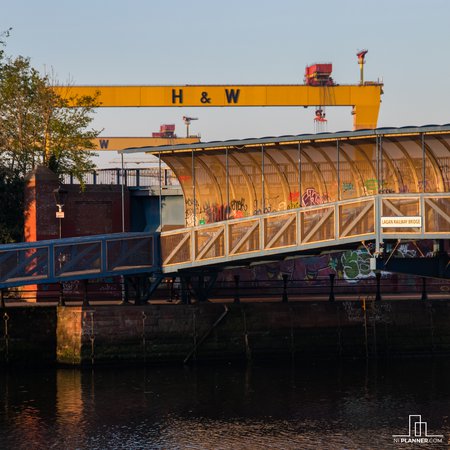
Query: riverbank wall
x,y
175,333
28,335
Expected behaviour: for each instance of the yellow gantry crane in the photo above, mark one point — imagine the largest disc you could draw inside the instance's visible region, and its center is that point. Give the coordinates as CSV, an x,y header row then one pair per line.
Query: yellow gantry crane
x,y
319,90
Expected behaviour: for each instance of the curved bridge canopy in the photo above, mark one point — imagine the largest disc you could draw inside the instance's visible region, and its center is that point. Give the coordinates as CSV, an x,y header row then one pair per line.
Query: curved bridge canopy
x,y
237,179
256,197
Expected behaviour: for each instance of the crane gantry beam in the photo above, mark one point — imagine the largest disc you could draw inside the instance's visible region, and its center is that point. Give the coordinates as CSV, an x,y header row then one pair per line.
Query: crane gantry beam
x,y
364,98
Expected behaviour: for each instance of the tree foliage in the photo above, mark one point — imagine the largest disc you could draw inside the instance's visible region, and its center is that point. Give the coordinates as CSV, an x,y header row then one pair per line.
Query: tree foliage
x,y
37,127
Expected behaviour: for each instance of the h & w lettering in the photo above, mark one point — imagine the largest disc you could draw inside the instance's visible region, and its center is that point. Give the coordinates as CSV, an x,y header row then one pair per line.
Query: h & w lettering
x,y
104,143
178,96
232,95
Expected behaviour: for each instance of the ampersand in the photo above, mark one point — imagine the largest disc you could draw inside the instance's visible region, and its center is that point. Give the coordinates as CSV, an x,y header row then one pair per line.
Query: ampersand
x,y
205,98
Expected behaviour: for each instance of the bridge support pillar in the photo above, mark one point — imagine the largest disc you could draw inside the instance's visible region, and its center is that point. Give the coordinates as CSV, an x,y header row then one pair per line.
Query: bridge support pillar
x,y
284,298
424,289
138,292
331,298
237,298
85,293
171,282
202,295
200,284
185,293
438,246
2,299
378,292
126,291
61,301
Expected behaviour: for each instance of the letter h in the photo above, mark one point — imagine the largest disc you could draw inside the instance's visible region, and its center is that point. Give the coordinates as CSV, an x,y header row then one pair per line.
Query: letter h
x,y
178,96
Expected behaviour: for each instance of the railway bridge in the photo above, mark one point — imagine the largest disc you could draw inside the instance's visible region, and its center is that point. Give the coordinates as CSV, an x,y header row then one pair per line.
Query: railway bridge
x,y
255,200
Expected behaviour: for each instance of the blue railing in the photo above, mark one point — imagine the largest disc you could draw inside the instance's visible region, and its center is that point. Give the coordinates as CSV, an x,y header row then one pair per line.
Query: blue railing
x,y
60,260
128,177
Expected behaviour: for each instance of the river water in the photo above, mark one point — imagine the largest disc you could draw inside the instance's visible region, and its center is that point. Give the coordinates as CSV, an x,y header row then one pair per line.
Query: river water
x,y
302,406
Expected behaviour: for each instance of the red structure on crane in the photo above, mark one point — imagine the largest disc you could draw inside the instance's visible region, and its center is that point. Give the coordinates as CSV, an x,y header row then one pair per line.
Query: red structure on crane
x,y
165,131
319,75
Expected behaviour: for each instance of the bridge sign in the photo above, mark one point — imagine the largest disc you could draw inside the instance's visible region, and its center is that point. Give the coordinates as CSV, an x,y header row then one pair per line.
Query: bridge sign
x,y
401,222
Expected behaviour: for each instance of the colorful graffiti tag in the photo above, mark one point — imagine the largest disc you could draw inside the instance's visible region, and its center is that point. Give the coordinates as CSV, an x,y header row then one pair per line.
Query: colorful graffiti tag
x,y
311,197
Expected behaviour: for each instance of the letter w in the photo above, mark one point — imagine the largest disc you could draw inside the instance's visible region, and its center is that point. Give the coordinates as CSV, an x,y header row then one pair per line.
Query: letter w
x,y
232,95
104,143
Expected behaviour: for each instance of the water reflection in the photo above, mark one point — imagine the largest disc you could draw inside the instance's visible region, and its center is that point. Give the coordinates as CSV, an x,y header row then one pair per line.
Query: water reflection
x,y
325,406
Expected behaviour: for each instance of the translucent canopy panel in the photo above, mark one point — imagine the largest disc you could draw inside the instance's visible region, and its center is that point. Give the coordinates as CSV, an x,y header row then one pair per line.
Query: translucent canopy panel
x,y
235,179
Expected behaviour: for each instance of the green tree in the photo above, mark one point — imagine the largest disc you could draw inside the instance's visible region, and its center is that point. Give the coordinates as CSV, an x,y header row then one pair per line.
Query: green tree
x,y
37,127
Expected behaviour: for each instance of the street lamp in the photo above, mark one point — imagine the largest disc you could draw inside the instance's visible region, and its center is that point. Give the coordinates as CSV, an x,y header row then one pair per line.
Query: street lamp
x,y
60,195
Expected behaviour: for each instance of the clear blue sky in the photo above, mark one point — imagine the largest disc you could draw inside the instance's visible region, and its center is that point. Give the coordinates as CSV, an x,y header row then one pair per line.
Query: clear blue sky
x,y
204,41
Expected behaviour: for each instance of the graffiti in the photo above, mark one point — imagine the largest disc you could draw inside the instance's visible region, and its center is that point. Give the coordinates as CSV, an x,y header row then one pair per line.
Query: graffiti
x,y
256,210
190,202
268,205
375,186
355,265
317,266
315,271
293,205
353,312
376,312
191,206
424,185
371,184
403,251
294,200
183,178
108,288
189,219
206,213
282,206
209,213
346,187
238,205
312,273
70,286
380,312
311,197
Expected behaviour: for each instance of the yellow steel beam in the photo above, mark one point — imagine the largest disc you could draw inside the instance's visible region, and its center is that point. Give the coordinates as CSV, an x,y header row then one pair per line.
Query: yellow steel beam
x,y
365,99
105,143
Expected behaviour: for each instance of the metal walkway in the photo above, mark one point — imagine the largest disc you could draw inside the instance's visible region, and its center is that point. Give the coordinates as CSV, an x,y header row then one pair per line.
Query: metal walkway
x,y
229,243
55,261
278,235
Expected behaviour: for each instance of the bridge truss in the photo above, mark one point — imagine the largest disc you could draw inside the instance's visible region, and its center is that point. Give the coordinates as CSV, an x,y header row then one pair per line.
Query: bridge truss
x,y
281,234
